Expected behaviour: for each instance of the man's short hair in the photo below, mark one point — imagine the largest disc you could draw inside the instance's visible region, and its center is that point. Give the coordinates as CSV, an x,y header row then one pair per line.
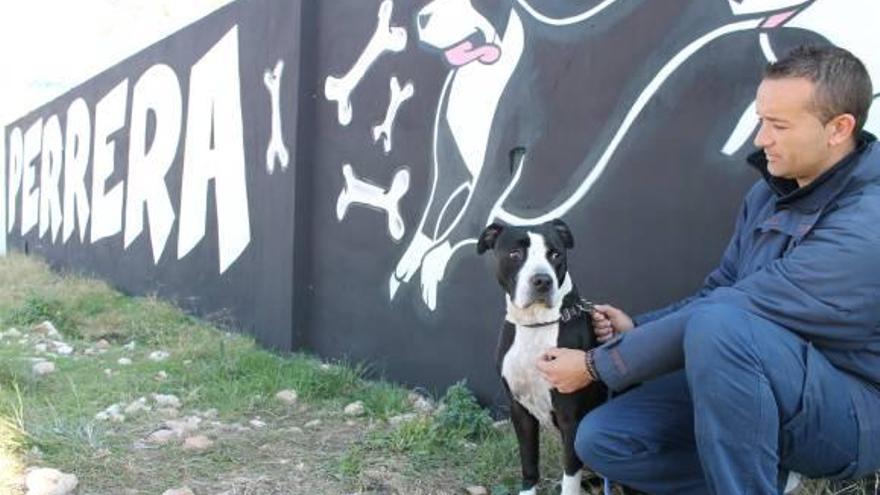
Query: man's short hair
x,y
842,82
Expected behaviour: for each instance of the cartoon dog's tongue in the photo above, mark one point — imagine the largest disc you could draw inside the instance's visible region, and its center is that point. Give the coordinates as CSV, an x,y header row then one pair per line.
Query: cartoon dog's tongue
x,y
465,53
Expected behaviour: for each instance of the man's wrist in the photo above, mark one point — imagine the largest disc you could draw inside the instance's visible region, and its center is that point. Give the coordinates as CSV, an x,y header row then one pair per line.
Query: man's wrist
x,y
590,365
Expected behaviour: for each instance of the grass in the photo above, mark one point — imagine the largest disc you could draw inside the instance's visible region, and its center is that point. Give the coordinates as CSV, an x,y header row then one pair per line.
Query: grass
x,y
227,381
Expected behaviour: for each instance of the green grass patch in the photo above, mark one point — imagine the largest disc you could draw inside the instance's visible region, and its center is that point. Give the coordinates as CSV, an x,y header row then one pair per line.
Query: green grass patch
x,y
50,420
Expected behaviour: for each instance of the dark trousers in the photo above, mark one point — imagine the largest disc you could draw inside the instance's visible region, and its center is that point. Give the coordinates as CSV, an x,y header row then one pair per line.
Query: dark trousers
x,y
753,402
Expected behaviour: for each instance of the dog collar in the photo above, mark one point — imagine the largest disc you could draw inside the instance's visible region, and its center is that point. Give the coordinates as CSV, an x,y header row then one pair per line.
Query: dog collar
x,y
580,307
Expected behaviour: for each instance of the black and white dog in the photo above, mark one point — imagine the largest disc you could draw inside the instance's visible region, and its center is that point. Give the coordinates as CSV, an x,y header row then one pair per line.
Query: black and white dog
x,y
544,310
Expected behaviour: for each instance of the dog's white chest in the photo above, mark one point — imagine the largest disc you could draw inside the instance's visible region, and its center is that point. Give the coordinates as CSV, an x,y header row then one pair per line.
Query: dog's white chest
x,y
519,369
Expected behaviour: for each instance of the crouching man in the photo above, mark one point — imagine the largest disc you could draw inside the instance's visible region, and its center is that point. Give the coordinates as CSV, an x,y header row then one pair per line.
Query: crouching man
x,y
774,365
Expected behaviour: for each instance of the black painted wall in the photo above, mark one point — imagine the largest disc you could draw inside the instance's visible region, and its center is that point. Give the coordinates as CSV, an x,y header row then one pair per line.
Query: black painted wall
x,y
622,114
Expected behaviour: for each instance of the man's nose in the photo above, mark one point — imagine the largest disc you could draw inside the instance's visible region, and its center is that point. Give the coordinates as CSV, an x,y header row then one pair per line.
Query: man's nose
x,y
762,140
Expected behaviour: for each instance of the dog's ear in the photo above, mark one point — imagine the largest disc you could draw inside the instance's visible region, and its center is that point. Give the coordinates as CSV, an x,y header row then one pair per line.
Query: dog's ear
x,y
488,237
564,233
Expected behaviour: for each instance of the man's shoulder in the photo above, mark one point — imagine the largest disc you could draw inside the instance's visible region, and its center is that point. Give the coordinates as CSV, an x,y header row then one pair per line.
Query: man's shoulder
x,y
865,183
758,194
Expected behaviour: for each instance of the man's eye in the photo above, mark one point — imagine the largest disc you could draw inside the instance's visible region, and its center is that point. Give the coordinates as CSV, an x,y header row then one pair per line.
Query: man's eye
x,y
516,255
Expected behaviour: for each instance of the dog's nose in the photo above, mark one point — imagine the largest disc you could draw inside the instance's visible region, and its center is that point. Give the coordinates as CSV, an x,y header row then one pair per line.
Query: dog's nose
x,y
541,283
423,20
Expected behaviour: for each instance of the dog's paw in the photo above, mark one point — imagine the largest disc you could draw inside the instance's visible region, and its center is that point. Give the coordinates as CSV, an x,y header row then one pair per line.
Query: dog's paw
x,y
571,485
412,258
433,269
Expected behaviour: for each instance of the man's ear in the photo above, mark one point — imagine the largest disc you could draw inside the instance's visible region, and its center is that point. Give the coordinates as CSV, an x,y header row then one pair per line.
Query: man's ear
x,y
564,233
488,237
842,128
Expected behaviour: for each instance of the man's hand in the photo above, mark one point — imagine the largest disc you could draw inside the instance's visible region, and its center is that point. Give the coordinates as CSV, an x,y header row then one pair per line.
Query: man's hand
x,y
565,369
608,320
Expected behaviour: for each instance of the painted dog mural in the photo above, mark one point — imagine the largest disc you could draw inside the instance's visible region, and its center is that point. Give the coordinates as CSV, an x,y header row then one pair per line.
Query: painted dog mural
x,y
317,171
486,49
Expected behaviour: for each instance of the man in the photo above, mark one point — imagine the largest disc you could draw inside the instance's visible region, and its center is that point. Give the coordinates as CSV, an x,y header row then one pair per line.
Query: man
x,y
774,365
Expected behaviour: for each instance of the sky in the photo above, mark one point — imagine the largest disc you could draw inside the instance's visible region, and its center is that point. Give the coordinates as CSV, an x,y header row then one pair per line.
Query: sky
x,y
49,46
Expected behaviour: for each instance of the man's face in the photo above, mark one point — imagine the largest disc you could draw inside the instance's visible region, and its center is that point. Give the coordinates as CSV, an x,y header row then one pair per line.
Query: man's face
x,y
795,141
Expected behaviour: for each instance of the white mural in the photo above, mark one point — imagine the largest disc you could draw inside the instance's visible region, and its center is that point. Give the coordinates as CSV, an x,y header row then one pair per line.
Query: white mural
x,y
483,61
467,105
829,18
276,150
362,192
385,39
213,152
399,95
158,92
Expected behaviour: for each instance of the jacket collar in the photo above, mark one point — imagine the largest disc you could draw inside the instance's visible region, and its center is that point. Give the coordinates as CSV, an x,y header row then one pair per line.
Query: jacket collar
x,y
820,191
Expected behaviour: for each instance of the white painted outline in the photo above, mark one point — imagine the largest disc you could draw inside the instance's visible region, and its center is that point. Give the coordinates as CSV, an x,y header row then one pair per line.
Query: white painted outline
x,y
630,118
564,21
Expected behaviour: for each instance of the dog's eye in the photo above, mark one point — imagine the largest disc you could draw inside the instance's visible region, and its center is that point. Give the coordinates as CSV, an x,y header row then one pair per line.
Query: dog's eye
x,y
516,255
553,254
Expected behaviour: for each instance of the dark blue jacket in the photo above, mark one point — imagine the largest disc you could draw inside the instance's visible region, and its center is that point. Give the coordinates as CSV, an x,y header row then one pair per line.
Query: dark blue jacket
x,y
807,259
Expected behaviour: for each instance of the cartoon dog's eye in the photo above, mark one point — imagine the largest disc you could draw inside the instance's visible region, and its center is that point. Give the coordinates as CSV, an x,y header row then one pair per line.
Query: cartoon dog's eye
x,y
516,255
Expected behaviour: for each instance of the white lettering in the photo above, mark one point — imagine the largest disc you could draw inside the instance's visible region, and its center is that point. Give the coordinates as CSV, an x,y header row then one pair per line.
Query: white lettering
x,y
158,90
16,166
77,139
107,205
50,176
30,196
215,150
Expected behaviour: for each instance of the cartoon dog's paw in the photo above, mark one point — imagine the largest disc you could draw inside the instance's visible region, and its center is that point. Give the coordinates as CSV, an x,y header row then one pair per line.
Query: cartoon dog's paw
x,y
409,263
433,269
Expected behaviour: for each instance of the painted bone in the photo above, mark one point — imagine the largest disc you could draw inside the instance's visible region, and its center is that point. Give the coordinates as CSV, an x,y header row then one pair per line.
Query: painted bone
x,y
359,191
398,97
384,39
276,149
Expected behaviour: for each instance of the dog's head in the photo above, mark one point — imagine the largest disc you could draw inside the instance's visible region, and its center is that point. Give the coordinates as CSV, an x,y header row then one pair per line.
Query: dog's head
x,y
530,262
463,32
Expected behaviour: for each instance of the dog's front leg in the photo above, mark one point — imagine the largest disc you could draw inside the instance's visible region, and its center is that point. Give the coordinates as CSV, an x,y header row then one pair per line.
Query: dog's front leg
x,y
571,478
527,434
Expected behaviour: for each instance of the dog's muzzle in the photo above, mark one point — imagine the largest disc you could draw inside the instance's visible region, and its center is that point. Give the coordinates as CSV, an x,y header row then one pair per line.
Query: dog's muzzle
x,y
540,290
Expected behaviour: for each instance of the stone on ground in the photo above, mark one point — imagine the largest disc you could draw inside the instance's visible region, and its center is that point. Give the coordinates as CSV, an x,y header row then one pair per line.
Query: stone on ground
x,y
178,491
159,356
137,406
184,425
287,396
420,403
166,400
48,481
355,409
43,368
46,329
163,436
197,442
59,347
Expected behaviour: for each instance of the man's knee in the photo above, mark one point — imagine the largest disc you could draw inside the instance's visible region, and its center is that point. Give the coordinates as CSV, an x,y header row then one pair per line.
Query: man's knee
x,y
717,334
599,444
